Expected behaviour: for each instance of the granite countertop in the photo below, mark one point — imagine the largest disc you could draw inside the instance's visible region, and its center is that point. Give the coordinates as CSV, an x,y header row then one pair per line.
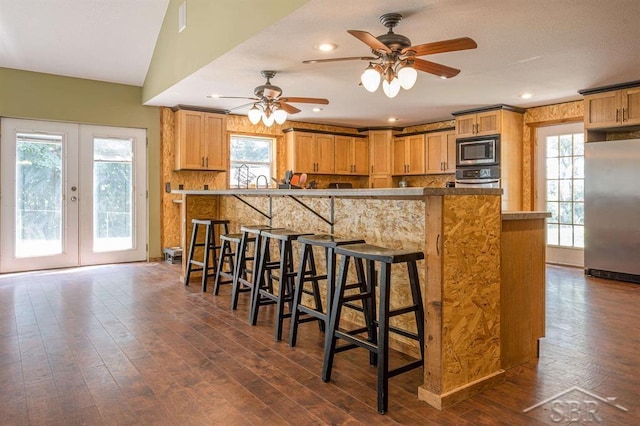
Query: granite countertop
x,y
407,193
524,215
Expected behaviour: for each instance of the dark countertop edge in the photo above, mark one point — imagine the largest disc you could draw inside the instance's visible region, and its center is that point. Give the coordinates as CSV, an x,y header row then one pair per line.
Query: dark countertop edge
x,y
525,215
405,193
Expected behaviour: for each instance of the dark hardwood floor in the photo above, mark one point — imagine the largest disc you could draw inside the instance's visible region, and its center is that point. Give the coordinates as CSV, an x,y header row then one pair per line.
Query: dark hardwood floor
x,y
128,344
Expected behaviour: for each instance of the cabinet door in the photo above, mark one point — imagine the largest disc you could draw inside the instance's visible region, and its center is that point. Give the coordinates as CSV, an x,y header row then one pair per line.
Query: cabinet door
x,y
214,141
450,158
380,181
416,155
630,106
325,154
344,146
434,152
360,156
465,125
602,110
399,156
189,144
380,145
303,153
488,123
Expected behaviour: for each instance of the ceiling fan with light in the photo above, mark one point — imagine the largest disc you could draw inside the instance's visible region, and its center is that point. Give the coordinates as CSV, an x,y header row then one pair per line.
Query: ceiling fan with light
x,y
268,103
395,61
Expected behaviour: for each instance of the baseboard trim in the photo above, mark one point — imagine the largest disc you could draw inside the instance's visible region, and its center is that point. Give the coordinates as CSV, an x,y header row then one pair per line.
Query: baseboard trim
x,y
454,396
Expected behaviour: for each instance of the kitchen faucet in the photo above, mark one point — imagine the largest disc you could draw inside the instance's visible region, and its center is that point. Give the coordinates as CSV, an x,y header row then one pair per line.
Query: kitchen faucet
x,y
266,182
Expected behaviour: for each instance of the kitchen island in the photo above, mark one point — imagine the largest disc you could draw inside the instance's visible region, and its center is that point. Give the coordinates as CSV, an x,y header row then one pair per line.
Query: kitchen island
x,y
459,230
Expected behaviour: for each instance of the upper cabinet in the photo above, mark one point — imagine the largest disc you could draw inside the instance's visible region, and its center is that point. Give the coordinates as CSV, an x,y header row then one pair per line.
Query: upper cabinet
x,y
441,152
409,155
310,152
611,109
200,142
478,124
351,155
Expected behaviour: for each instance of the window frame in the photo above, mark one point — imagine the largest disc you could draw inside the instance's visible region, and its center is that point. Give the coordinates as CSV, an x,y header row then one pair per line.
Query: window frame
x,y
233,183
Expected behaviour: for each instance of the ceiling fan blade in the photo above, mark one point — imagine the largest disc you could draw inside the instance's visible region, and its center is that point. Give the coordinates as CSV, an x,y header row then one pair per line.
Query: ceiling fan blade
x,y
289,108
231,97
241,106
320,101
435,69
350,58
370,40
452,45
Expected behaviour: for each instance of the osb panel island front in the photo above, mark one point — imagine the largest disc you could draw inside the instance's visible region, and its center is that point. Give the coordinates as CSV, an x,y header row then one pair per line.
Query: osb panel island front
x,y
457,229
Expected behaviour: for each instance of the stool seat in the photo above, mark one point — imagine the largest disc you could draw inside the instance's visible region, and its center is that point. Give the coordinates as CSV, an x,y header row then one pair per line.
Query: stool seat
x,y
380,254
210,221
282,234
234,238
254,229
328,240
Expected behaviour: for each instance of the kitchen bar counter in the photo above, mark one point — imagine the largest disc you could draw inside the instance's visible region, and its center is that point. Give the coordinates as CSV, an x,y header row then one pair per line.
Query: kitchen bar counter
x,y
457,229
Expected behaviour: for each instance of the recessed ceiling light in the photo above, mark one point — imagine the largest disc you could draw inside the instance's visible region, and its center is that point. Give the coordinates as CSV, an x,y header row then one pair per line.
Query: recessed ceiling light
x,y
316,109
326,47
392,119
444,77
526,95
215,96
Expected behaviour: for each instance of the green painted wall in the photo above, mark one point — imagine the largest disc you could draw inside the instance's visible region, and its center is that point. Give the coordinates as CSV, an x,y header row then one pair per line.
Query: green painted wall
x,y
25,94
213,28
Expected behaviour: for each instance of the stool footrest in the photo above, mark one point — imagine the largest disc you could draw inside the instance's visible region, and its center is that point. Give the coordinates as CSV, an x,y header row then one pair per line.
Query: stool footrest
x,y
346,347
405,333
405,368
354,307
310,311
402,311
308,319
358,296
371,347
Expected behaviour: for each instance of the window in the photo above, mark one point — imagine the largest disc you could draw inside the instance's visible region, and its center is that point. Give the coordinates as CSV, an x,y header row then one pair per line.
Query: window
x,y
250,157
565,189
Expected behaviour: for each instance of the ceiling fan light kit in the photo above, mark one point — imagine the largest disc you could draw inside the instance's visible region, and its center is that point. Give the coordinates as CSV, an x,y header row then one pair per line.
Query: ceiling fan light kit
x,y
268,104
396,59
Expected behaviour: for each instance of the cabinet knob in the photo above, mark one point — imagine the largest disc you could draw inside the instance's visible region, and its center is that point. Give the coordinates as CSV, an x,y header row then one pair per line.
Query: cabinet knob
x,y
618,114
623,111
202,161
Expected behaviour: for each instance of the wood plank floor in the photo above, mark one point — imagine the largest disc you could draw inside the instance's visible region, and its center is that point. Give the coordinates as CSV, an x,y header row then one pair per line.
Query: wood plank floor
x,y
128,344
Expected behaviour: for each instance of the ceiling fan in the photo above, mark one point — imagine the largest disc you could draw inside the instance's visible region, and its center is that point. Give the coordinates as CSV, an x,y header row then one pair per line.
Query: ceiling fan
x,y
396,60
269,104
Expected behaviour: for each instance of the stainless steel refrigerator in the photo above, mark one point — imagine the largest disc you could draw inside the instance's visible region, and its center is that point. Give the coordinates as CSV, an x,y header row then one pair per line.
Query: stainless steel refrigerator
x,y
612,209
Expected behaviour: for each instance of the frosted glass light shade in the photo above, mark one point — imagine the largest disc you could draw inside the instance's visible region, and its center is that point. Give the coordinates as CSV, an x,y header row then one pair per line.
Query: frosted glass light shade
x,y
391,89
254,115
407,76
280,116
370,79
268,121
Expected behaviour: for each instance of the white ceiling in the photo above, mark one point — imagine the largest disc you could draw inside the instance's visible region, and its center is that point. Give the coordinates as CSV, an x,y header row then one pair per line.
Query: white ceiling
x,y
549,47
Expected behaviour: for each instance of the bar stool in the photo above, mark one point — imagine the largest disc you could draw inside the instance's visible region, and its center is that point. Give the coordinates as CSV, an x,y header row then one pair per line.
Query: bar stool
x,y
263,290
210,248
377,343
307,273
227,257
241,282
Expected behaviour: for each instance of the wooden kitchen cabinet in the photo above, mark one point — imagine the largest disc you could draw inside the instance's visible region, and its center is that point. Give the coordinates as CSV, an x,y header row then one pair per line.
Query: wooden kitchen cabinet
x,y
380,155
200,142
409,155
441,152
478,124
612,108
310,152
351,155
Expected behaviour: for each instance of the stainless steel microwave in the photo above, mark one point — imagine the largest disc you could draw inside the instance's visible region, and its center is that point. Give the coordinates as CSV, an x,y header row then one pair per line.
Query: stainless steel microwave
x,y
483,151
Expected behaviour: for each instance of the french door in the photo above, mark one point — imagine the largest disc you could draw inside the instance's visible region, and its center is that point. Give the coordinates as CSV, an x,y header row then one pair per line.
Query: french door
x,y
561,191
71,195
